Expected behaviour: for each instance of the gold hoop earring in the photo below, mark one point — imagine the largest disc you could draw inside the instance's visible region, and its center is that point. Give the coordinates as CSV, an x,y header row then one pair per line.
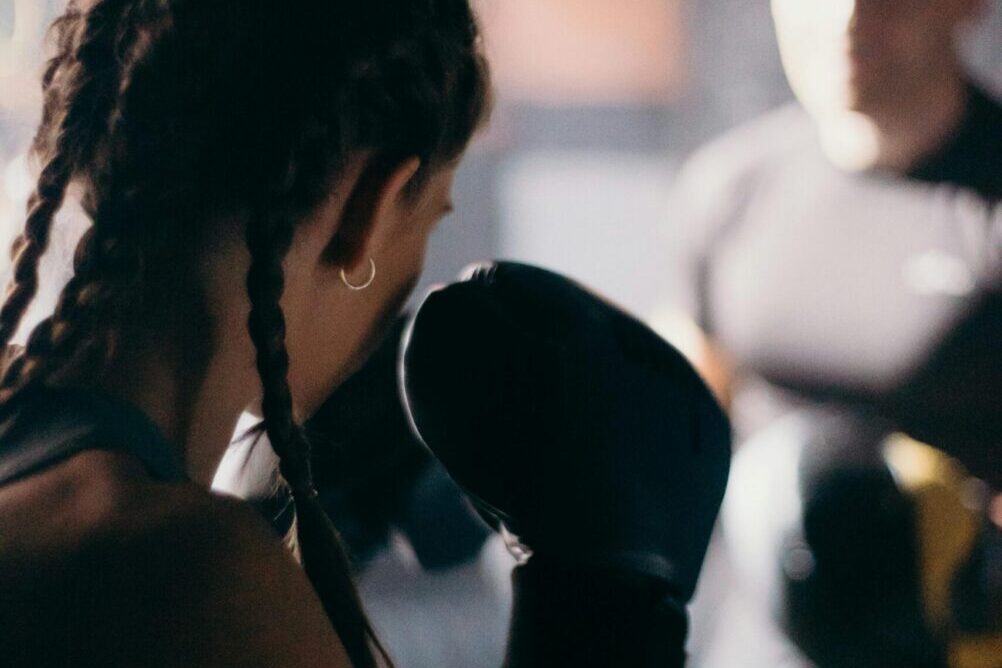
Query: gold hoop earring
x,y
363,286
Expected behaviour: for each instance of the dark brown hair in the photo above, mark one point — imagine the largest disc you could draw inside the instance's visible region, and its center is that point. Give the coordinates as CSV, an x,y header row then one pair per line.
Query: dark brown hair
x,y
173,115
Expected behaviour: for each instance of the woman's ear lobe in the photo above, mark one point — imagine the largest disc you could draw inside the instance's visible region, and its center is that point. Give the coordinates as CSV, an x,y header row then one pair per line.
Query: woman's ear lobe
x,y
372,211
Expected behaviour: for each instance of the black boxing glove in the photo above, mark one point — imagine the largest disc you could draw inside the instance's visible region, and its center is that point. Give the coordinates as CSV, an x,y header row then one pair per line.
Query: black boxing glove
x,y
373,475
586,435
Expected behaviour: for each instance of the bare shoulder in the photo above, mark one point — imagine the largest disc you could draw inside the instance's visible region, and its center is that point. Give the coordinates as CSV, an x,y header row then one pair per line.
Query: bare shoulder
x,y
171,575
217,586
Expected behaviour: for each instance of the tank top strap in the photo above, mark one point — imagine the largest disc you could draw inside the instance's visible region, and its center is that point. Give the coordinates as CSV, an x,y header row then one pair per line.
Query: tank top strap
x,y
42,426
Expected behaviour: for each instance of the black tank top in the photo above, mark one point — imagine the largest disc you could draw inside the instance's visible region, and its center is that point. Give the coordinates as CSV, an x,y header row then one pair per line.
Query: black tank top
x,y
44,426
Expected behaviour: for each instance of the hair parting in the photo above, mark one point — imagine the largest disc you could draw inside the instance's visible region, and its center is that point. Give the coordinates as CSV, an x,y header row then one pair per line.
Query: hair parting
x,y
318,541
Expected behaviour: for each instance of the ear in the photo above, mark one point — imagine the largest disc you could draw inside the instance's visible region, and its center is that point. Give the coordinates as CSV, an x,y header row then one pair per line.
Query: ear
x,y
372,211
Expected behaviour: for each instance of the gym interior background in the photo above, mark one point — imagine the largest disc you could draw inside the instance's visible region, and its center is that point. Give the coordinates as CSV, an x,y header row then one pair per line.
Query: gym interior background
x,y
598,104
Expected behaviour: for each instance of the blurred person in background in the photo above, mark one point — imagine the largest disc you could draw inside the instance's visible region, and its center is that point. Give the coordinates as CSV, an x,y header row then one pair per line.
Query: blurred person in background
x,y
845,272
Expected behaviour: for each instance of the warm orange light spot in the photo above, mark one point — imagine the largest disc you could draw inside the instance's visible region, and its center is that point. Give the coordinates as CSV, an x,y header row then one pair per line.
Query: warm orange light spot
x,y
586,51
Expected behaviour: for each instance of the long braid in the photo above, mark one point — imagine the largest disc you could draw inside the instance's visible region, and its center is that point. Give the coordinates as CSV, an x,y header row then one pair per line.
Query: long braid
x,y
88,99
83,324
81,327
324,559
64,30
33,241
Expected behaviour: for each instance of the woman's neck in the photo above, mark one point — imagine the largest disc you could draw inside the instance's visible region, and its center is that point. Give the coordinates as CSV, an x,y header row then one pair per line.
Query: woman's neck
x,y
197,411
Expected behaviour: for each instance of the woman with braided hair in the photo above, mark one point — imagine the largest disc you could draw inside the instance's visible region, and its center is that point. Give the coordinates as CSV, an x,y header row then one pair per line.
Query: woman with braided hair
x,y
247,166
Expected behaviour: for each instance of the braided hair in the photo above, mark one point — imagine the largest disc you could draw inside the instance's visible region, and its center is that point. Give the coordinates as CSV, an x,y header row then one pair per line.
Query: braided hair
x,y
175,117
78,92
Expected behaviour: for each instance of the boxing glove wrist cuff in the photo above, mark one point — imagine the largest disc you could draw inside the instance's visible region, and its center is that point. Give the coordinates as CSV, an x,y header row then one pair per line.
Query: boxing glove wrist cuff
x,y
572,614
